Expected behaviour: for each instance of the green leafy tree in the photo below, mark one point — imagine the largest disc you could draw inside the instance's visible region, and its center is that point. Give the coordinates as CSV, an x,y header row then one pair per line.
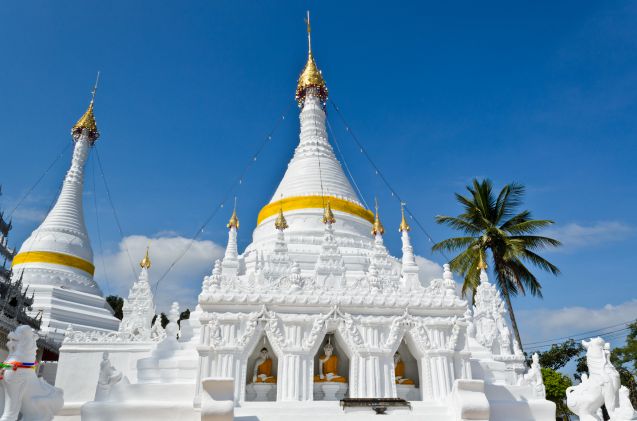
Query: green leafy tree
x,y
117,304
560,354
492,223
556,384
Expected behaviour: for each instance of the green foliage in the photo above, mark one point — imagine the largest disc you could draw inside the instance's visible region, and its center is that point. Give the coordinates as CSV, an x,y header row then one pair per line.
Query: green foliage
x,y
560,354
493,223
164,319
556,384
117,304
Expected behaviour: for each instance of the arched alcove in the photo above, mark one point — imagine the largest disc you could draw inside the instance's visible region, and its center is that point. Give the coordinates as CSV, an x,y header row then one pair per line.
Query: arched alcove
x,y
407,387
263,387
333,385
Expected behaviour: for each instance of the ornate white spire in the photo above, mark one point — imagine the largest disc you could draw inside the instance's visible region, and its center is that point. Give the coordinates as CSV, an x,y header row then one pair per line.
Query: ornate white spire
x,y
230,265
329,266
314,174
59,251
139,307
409,269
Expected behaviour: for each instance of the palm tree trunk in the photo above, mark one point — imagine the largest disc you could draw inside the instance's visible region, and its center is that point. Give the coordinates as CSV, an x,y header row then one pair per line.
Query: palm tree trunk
x,y
514,324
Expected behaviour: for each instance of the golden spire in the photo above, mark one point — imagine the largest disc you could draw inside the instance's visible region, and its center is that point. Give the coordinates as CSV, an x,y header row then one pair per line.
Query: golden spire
x,y
311,76
280,222
377,228
481,263
404,226
87,121
145,263
234,220
328,215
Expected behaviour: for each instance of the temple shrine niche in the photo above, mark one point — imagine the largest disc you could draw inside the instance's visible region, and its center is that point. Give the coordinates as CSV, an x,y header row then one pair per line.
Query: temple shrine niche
x,y
261,374
331,368
406,373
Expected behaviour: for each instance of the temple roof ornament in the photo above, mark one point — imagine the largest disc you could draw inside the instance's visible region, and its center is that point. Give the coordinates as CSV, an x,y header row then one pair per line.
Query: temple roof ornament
x,y
404,226
328,215
234,220
311,77
280,223
377,228
87,121
481,263
145,262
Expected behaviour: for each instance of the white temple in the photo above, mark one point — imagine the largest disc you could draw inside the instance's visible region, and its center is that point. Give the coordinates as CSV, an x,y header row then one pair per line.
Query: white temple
x,y
315,309
56,261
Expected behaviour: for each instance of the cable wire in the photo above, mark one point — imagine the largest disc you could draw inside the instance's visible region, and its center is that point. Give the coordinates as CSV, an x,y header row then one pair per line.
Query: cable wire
x,y
99,230
581,333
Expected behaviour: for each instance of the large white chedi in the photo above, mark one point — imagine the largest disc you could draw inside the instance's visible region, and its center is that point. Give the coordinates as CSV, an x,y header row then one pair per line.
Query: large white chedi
x,y
56,261
315,309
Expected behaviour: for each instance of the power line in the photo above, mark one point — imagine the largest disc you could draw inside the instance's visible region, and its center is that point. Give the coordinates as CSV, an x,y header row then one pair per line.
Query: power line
x,y
581,333
393,192
238,182
110,200
23,198
616,333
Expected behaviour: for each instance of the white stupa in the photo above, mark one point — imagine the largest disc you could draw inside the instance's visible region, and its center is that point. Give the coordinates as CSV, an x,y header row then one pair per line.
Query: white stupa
x,y
56,261
314,310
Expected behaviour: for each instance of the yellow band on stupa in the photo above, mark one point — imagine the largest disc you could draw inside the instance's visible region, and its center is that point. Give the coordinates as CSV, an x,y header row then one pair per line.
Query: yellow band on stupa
x,y
54,258
314,202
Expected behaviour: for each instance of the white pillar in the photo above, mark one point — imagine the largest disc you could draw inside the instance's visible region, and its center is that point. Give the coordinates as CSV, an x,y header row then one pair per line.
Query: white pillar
x,y
373,376
295,377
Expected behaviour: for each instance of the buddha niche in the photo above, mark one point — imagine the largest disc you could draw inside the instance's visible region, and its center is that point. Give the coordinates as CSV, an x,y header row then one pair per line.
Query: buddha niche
x,y
263,368
328,367
399,370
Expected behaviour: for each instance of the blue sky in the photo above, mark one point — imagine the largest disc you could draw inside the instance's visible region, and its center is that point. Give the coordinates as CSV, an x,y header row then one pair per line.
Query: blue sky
x,y
542,93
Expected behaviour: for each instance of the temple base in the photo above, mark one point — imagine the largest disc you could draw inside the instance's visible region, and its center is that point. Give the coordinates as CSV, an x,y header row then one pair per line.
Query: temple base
x,y
62,307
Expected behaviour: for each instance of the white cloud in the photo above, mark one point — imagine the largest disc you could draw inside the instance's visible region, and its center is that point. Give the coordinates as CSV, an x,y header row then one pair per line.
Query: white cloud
x,y
545,324
23,214
577,236
115,272
428,270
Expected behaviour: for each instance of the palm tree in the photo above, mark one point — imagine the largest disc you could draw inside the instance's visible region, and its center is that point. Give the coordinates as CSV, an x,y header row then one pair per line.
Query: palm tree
x,y
492,223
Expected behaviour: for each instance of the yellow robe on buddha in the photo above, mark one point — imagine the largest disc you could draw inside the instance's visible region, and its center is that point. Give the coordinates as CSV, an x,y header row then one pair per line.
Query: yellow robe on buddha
x,y
330,366
265,368
400,372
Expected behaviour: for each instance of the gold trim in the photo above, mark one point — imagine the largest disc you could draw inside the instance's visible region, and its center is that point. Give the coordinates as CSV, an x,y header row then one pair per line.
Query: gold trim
x,y
54,258
311,202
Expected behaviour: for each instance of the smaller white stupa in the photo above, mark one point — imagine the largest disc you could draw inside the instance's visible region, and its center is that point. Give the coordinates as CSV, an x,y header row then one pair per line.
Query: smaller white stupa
x,y
56,261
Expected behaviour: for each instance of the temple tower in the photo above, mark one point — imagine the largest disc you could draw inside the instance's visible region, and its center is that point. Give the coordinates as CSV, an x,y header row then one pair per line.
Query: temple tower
x,y
56,261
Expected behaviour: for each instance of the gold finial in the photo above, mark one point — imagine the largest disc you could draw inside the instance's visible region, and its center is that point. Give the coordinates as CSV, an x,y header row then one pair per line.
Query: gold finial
x,y
377,228
328,215
280,222
404,226
234,220
87,121
145,263
311,77
481,263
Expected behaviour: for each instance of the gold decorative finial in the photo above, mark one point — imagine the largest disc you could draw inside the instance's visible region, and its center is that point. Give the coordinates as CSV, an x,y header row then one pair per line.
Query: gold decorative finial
x,y
481,263
404,226
145,263
87,121
377,228
328,215
280,222
234,220
311,77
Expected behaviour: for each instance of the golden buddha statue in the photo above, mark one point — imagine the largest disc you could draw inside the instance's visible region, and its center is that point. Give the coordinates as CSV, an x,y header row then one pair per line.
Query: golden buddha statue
x,y
328,367
399,370
263,368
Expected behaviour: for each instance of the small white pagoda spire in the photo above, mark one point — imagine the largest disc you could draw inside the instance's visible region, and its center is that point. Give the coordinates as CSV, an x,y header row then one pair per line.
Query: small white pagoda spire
x,y
230,265
330,267
278,263
381,274
409,270
139,307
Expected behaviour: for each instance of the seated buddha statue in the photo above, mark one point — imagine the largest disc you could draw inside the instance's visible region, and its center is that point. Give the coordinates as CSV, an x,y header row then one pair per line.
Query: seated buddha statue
x,y
263,368
399,370
328,367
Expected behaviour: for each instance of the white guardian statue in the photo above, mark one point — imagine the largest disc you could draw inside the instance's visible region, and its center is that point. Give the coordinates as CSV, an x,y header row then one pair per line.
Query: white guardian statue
x,y
25,393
